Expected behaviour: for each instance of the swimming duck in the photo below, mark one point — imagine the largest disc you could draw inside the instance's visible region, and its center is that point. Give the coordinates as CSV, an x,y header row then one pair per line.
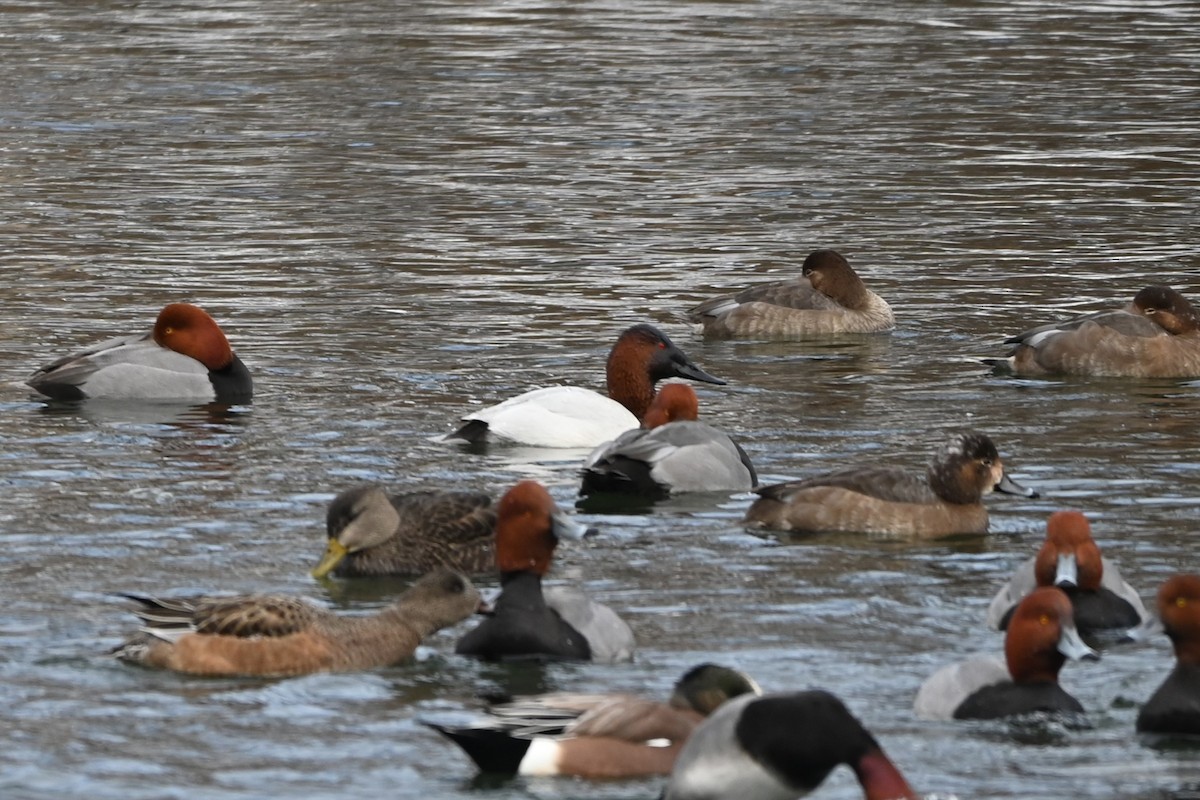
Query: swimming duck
x,y
279,636
1174,708
561,623
887,500
832,300
778,747
372,533
671,452
1069,559
1040,638
570,416
596,735
1155,336
184,357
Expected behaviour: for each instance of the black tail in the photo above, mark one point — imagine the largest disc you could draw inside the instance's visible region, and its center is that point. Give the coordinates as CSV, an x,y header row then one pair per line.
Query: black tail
x,y
492,750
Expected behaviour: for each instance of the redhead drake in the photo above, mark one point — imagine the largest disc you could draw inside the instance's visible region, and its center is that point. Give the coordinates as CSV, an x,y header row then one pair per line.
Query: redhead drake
x,y
596,735
372,533
1069,559
561,623
1155,336
1175,707
778,747
887,500
278,636
829,298
570,416
671,452
184,357
1040,637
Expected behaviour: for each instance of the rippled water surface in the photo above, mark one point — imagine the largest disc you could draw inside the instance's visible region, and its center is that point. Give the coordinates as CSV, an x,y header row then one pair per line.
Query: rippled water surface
x,y
400,211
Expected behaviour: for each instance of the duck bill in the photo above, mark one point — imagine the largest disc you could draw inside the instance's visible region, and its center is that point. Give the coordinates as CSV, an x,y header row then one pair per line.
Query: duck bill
x,y
1008,486
564,527
686,369
1071,645
334,553
1066,575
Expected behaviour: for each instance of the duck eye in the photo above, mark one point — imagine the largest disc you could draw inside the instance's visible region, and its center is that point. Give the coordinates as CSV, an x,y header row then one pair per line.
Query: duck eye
x,y
1044,619
1181,602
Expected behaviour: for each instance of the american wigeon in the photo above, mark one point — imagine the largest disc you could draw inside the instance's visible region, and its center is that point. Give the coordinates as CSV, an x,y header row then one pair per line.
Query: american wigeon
x,y
570,416
596,735
781,746
1040,637
829,298
276,636
1155,336
887,500
527,623
372,533
1069,559
185,356
1174,708
671,452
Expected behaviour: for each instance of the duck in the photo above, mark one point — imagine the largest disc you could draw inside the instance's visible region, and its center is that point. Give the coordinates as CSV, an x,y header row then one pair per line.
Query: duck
x,y
1040,638
184,357
571,416
672,452
891,501
1103,602
830,298
1155,336
284,636
596,736
527,622
372,533
780,746
1174,708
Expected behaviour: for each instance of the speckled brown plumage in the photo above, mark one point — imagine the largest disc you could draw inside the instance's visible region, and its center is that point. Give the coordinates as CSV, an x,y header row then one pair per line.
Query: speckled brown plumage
x,y
410,533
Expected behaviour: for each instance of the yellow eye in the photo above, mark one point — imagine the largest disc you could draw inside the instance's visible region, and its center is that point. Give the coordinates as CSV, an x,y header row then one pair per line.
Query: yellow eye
x,y
1044,619
1181,602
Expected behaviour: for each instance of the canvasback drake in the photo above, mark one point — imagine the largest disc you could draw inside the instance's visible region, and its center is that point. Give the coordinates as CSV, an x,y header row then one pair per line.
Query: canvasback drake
x,y
1155,336
1069,559
672,452
1040,637
184,357
372,533
570,416
778,747
596,736
832,300
1174,708
888,500
279,636
561,623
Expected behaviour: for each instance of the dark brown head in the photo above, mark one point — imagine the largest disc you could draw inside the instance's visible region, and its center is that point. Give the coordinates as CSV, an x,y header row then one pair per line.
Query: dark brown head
x,y
967,467
1167,308
831,275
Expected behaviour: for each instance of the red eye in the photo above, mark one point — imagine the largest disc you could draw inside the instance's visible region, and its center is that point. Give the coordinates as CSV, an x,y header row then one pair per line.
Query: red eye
x,y
662,346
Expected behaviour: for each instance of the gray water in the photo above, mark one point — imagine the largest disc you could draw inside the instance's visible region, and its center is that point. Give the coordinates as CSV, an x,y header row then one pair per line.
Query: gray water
x,y
401,211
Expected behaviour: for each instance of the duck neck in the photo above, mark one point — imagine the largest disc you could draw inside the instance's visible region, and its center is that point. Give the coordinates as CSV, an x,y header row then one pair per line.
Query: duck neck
x,y
630,386
520,590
